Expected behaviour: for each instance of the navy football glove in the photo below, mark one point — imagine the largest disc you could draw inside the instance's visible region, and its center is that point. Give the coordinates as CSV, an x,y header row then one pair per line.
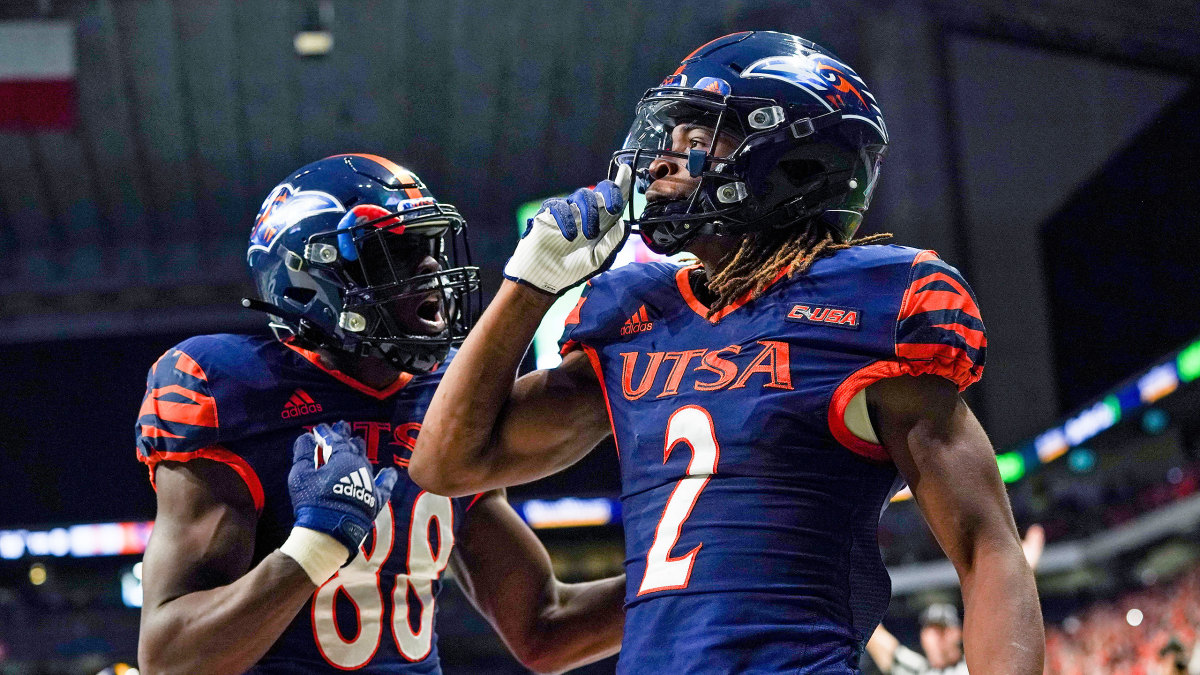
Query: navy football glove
x,y
338,497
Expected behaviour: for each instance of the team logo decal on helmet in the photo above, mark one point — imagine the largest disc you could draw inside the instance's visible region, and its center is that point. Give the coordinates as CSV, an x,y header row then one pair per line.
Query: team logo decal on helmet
x,y
817,72
807,140
285,207
353,253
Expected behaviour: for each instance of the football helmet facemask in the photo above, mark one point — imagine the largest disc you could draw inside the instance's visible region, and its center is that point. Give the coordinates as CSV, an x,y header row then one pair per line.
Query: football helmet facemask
x,y
809,140
353,253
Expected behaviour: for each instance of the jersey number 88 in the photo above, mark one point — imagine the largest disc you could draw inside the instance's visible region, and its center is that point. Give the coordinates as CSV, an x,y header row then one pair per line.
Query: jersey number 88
x,y
360,583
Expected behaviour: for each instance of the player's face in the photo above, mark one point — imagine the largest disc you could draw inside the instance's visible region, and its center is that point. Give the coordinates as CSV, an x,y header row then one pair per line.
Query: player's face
x,y
669,176
941,644
419,310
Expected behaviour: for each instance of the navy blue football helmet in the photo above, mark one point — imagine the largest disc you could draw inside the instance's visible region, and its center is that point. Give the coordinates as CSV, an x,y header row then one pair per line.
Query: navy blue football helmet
x,y
353,253
809,140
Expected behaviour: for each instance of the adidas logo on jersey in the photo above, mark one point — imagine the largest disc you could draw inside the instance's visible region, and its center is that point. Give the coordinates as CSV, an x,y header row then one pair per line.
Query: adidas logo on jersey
x,y
299,404
638,323
357,485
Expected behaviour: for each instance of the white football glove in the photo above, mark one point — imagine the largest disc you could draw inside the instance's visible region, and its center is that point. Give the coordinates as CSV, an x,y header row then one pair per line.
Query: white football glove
x,y
571,240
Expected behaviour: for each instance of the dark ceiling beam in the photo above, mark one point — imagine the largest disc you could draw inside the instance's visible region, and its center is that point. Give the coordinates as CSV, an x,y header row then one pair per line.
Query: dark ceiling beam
x,y
1162,35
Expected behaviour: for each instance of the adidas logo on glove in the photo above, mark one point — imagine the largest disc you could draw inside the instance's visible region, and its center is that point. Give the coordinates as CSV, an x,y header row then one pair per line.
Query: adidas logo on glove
x,y
356,485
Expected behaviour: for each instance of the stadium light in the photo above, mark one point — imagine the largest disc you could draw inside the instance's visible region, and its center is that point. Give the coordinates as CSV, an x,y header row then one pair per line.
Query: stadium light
x,y
1155,421
313,42
315,37
1011,465
1081,460
1133,396
1188,362
90,540
131,587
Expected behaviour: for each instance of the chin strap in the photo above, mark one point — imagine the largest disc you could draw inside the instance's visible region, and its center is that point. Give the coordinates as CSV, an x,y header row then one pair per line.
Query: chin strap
x,y
272,309
294,323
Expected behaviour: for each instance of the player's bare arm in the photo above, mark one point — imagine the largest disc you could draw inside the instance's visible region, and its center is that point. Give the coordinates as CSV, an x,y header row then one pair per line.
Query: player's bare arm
x,y
483,430
550,626
883,645
943,452
200,590
198,582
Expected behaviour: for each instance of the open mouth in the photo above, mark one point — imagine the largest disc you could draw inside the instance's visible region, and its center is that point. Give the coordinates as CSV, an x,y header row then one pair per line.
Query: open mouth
x,y
430,311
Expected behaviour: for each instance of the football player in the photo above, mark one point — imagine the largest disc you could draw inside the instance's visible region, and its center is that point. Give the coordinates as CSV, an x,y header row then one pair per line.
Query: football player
x,y
277,554
765,402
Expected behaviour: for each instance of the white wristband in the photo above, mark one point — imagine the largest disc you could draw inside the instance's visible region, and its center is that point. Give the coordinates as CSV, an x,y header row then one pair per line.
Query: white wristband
x,y
319,554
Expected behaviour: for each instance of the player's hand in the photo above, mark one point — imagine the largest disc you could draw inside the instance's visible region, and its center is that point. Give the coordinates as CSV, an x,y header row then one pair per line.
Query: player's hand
x,y
571,240
332,486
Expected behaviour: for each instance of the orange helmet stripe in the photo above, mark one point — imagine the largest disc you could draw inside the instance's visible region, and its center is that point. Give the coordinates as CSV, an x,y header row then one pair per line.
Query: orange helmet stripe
x,y
698,49
404,175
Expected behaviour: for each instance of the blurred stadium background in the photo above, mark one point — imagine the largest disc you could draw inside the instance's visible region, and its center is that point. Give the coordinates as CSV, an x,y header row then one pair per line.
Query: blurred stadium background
x,y
1048,149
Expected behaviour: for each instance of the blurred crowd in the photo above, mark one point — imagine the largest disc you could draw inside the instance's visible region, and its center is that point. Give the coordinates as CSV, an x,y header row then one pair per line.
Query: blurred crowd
x,y
1148,632
1068,509
1080,508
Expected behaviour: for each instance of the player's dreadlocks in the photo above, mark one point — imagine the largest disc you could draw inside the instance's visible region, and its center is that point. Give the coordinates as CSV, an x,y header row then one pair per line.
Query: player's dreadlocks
x,y
765,253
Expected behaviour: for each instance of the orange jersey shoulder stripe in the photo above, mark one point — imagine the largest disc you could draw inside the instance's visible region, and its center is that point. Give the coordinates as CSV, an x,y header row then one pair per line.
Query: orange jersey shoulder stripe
x,y
916,301
154,368
188,365
975,338
154,432
201,412
925,256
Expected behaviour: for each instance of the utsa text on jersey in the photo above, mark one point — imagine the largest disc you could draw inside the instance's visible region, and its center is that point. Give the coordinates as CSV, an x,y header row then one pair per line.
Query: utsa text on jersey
x,y
397,439
772,360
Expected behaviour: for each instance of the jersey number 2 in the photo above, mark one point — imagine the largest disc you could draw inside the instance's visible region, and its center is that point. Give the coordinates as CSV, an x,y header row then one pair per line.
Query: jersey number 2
x,y
692,425
359,584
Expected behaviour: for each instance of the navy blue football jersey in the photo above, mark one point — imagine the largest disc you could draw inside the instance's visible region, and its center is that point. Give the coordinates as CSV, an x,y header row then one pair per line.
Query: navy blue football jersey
x,y
750,508
242,401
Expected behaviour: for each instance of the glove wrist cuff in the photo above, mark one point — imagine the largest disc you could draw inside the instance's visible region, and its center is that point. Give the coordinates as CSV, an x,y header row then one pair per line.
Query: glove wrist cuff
x,y
518,269
317,553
